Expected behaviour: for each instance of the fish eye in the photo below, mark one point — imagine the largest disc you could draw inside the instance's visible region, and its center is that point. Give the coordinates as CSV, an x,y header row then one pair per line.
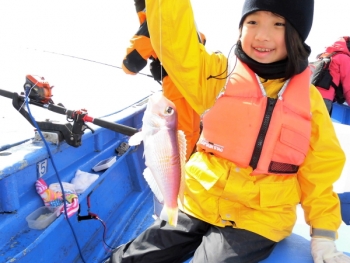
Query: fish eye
x,y
168,110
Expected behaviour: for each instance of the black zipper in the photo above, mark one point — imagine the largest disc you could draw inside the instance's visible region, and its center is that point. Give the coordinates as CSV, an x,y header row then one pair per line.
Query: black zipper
x,y
270,105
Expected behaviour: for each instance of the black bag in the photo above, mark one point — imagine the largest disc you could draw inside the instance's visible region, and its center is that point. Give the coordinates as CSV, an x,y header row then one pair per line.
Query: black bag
x,y
321,76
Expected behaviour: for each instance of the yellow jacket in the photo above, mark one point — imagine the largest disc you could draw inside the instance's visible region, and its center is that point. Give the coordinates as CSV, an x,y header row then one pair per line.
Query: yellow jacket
x,y
219,192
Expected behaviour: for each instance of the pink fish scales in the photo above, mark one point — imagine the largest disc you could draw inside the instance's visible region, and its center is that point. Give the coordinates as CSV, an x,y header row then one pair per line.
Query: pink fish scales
x,y
165,153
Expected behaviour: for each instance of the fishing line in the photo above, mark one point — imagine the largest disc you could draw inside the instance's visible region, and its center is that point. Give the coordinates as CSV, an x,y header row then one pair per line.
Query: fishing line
x,y
26,101
227,63
26,95
90,60
210,77
160,43
102,63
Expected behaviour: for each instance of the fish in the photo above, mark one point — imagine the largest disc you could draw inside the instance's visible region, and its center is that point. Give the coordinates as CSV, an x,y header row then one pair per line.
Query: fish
x,y
164,152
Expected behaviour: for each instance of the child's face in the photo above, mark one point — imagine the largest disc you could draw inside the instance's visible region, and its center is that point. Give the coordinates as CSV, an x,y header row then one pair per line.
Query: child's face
x,y
262,37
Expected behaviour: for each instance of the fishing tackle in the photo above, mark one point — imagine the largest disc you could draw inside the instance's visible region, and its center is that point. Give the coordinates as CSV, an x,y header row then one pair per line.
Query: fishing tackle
x,y
39,92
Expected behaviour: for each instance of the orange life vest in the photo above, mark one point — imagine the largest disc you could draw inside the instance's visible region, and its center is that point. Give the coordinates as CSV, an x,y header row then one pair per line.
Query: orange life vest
x,y
250,129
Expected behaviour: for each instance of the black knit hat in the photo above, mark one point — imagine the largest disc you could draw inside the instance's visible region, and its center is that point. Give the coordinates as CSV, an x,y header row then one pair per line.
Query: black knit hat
x,y
299,13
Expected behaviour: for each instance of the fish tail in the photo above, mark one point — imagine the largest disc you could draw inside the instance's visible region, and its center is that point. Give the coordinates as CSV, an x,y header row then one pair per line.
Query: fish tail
x,y
170,215
173,215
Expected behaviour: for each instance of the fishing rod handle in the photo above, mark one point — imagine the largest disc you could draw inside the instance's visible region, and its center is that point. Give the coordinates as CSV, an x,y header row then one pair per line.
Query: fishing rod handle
x,y
6,93
126,130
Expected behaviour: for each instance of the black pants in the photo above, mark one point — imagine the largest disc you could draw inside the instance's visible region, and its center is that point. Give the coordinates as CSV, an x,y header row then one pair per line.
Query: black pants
x,y
162,243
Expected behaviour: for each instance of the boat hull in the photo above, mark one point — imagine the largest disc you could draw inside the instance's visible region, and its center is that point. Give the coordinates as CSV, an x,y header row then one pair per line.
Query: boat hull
x,y
120,197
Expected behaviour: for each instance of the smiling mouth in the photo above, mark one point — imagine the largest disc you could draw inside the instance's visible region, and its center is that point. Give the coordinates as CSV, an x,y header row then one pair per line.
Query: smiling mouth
x,y
263,49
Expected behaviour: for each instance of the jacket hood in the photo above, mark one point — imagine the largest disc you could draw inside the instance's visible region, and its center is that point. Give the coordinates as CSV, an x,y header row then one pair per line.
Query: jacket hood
x,y
339,46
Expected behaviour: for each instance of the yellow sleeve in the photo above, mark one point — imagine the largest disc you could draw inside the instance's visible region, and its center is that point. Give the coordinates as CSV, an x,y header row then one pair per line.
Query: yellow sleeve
x,y
175,40
322,167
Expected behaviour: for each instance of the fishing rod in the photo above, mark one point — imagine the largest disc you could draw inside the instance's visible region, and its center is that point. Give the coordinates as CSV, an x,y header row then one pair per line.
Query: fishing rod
x,y
39,93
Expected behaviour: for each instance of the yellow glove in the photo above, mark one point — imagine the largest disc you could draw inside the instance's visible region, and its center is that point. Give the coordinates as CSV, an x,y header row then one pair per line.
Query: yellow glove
x,y
324,250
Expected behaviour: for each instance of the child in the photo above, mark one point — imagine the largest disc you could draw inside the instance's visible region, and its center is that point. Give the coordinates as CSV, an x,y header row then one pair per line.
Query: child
x,y
267,144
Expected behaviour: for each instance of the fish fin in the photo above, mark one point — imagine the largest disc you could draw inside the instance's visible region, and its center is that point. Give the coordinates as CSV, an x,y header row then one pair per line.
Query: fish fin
x,y
182,152
136,139
170,215
153,184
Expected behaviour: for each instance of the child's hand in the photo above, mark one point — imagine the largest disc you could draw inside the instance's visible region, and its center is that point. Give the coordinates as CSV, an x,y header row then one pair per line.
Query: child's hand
x,y
324,250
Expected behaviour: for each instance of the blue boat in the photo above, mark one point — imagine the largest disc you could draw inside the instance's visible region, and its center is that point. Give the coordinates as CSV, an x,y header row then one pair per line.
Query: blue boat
x,y
113,209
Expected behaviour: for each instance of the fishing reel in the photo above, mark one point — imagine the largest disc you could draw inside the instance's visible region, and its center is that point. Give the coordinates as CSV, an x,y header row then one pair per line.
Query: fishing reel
x,y
39,89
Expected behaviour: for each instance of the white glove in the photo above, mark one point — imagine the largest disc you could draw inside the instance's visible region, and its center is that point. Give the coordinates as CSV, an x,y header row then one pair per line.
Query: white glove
x,y
324,250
